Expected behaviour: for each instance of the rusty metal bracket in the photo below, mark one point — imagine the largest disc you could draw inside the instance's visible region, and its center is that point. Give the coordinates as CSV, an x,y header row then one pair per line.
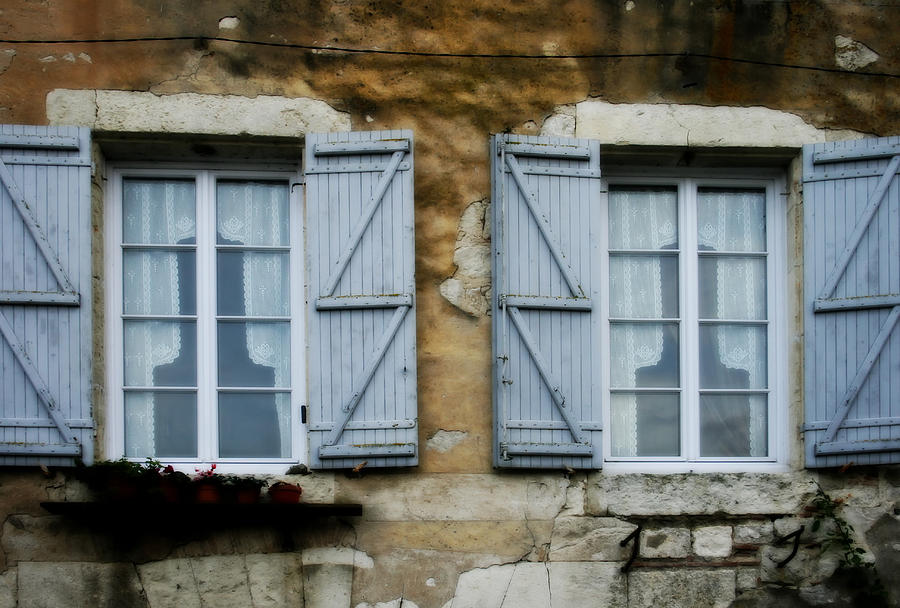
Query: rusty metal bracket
x,y
783,539
636,537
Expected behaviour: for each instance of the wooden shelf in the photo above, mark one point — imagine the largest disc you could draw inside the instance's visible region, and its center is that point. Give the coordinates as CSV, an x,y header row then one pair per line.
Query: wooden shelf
x,y
149,514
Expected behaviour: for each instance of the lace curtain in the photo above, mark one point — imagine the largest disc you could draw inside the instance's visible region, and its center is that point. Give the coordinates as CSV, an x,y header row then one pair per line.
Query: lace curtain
x,y
256,214
154,212
734,221
638,219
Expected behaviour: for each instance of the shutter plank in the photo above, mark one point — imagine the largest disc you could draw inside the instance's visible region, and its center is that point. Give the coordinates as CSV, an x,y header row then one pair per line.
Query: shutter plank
x,y
851,207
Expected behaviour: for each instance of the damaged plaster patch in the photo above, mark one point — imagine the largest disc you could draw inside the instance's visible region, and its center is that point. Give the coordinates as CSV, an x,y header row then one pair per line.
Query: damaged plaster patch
x,y
229,23
137,111
852,55
6,57
397,603
469,289
692,125
444,441
561,123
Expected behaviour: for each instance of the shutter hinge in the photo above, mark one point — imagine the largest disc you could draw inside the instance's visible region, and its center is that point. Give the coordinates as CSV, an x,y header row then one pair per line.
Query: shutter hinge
x,y
303,414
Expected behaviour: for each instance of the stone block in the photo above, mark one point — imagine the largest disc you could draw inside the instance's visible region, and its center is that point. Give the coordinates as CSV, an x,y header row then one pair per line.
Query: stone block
x,y
753,533
79,585
8,588
528,586
746,578
577,539
694,588
508,540
276,579
586,585
665,542
455,496
483,587
712,541
222,580
693,494
170,582
327,585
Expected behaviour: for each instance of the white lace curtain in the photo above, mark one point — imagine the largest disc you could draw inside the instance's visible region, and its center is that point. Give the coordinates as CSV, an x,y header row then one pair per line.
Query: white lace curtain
x,y
643,219
256,214
154,212
734,221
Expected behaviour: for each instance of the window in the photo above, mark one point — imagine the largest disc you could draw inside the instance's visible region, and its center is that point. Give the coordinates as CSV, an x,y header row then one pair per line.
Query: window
x,y
205,315
693,314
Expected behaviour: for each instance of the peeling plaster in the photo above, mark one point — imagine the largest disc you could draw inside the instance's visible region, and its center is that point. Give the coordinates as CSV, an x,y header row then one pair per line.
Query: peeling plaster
x,y
6,57
852,55
444,441
229,23
469,289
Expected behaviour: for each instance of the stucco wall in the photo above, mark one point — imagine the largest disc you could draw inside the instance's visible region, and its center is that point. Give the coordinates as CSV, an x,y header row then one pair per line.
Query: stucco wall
x,y
453,532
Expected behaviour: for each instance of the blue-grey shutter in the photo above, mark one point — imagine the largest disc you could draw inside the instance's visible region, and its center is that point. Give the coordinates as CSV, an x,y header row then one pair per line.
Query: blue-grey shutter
x,y
45,295
851,202
546,265
362,326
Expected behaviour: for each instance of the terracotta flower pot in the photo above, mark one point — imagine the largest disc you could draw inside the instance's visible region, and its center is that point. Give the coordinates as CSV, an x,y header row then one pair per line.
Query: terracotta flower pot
x,y
207,493
285,493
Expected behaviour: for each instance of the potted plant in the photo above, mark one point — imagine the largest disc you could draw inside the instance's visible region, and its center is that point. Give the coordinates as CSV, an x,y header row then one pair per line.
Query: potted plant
x,y
123,480
244,490
284,492
208,485
174,486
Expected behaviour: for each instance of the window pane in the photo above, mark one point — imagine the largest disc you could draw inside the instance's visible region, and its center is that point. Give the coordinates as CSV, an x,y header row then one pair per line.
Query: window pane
x,y
643,217
643,286
645,424
254,354
158,211
644,355
254,425
252,213
733,425
159,282
160,424
253,284
732,288
160,353
733,356
731,219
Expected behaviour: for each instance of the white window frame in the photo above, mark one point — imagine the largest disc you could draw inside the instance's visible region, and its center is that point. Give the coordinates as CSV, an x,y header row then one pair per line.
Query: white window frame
x,y
688,183
205,175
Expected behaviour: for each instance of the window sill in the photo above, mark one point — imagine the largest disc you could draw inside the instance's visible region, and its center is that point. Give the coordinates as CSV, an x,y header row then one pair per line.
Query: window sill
x,y
159,515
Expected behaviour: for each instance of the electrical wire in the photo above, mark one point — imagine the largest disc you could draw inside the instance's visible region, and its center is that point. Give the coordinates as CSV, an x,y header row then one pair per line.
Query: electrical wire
x,y
369,51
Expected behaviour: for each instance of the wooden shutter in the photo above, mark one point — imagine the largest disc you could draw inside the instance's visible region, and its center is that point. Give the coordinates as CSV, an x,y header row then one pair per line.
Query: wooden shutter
x,y
45,295
851,201
546,265
362,353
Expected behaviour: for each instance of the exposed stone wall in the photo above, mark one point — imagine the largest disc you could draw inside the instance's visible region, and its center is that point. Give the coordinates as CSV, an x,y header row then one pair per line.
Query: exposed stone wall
x,y
453,533
457,540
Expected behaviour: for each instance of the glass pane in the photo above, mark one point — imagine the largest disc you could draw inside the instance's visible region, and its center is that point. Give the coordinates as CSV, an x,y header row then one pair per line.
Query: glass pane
x,y
733,356
643,217
643,355
733,425
732,288
254,425
159,282
731,219
645,424
253,284
252,213
163,425
643,286
158,211
160,353
254,354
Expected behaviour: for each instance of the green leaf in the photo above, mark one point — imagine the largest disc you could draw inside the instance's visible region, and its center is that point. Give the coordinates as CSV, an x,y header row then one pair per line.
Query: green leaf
x,y
816,525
